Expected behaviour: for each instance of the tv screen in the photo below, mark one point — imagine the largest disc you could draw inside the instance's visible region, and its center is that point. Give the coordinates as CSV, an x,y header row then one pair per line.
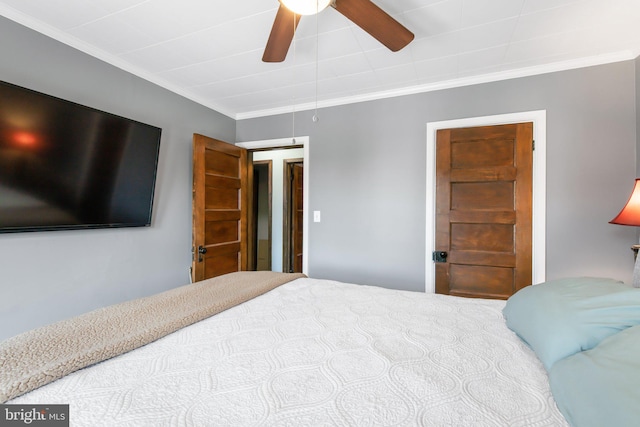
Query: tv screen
x,y
67,166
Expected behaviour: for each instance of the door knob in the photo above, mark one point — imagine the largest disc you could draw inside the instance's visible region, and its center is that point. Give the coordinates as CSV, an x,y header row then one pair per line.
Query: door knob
x,y
440,256
201,251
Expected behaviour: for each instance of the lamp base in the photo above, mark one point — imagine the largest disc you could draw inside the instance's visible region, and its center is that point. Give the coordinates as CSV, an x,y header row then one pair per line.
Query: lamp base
x,y
636,268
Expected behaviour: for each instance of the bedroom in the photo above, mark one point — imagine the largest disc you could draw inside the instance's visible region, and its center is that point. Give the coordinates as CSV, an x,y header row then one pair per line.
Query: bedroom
x,y
592,128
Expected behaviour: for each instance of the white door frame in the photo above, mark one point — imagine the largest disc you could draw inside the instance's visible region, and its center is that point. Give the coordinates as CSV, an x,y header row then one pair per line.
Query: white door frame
x,y
283,143
538,238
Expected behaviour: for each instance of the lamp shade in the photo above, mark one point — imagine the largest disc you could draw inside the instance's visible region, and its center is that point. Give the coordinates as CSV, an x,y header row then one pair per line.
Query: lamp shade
x,y
630,214
306,7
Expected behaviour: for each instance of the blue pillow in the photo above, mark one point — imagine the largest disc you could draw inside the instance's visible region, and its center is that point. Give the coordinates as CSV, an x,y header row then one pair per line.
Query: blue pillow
x,y
562,317
600,387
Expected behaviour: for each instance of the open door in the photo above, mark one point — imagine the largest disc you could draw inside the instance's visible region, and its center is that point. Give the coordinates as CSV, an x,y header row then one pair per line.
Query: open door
x,y
294,215
220,208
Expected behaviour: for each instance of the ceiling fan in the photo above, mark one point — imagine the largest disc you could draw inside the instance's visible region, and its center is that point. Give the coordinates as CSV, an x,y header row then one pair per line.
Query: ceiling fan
x,y
363,13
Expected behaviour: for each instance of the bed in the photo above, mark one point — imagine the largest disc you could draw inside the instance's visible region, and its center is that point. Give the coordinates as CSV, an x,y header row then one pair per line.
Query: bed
x,y
275,349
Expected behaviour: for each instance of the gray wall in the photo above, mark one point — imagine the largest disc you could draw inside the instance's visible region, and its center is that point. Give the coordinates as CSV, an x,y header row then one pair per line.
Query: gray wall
x,y
46,276
367,173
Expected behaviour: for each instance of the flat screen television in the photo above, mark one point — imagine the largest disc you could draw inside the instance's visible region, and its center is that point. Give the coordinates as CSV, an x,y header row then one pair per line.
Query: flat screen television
x,y
67,166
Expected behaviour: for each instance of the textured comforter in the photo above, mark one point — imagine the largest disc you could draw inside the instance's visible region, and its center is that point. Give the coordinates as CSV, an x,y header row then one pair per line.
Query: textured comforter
x,y
37,357
316,352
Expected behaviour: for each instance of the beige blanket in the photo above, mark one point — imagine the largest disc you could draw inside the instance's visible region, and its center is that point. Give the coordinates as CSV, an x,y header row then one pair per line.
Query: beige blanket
x,y
43,355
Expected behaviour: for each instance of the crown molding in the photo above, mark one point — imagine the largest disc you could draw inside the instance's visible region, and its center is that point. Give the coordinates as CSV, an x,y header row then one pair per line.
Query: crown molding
x,y
449,84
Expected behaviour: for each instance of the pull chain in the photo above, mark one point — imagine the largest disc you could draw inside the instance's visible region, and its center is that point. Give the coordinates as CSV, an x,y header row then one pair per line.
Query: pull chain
x,y
315,115
293,91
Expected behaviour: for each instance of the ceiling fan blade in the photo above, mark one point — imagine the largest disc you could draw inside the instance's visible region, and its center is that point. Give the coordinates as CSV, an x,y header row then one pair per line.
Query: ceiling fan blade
x,y
375,21
284,27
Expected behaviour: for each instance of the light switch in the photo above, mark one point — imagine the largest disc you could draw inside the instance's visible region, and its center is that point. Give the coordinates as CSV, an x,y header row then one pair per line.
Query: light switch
x,y
316,216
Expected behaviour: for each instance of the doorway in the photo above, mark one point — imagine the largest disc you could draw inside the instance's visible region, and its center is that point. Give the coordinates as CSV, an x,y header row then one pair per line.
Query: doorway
x,y
262,214
297,148
538,118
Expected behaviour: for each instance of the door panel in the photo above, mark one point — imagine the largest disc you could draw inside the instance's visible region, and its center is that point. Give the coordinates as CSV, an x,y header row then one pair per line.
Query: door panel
x,y
490,282
489,196
220,232
482,237
220,206
221,259
484,210
222,163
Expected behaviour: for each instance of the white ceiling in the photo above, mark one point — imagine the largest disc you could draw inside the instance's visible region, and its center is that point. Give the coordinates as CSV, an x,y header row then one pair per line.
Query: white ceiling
x,y
210,50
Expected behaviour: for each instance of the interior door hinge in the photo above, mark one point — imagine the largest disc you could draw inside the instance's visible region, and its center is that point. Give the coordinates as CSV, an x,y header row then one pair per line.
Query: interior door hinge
x,y
533,144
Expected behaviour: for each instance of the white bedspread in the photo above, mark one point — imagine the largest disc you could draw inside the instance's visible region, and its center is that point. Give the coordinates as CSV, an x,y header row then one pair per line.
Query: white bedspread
x,y
321,353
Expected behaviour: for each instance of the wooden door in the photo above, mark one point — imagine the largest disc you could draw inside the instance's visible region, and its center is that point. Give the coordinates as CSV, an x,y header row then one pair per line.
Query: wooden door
x,y
484,210
297,217
261,214
294,216
220,208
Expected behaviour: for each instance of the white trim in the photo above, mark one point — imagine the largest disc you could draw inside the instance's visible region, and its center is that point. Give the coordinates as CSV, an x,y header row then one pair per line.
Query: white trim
x,y
274,143
287,142
539,119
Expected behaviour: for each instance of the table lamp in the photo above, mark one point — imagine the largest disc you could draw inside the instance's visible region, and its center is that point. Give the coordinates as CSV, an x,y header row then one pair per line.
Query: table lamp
x,y
630,215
